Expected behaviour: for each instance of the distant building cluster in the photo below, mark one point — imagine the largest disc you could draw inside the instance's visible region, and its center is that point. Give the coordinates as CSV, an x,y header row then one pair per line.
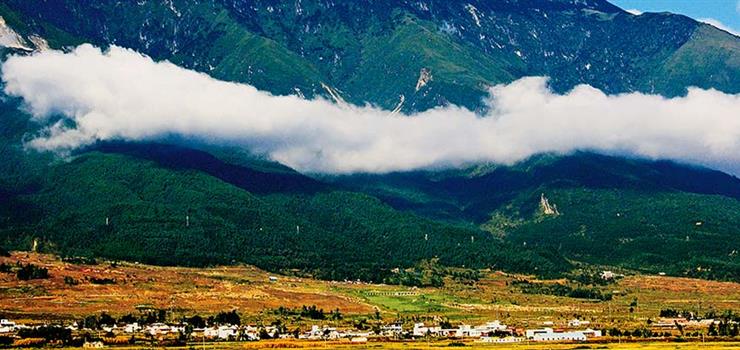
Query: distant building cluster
x,y
496,332
491,332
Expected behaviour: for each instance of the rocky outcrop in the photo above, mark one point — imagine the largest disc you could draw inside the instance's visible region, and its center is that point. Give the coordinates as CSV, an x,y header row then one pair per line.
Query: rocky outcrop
x,y
547,208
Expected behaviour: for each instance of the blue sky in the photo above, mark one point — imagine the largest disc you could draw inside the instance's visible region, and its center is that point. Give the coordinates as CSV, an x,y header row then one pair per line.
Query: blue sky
x,y
724,12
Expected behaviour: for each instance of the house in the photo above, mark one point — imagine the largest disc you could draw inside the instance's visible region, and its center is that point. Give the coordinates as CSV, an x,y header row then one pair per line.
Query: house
x,y
506,340
321,333
420,330
577,323
93,345
273,279
607,275
464,331
7,326
250,333
393,330
530,333
547,334
670,322
559,336
131,327
495,327
157,329
224,332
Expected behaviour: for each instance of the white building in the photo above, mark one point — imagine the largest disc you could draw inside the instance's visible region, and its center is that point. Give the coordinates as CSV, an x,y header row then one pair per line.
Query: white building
x,y
321,333
420,330
547,334
559,336
393,330
506,340
491,327
158,329
462,331
7,326
577,323
131,328
222,332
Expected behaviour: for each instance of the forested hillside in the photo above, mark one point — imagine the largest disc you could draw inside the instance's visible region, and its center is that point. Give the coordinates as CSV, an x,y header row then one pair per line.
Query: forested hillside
x,y
177,202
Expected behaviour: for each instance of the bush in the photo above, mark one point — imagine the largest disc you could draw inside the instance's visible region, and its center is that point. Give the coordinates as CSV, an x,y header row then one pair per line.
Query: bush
x,y
30,272
47,332
95,280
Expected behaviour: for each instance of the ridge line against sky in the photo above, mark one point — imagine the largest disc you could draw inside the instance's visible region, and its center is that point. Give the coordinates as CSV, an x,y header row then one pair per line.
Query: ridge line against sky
x,y
723,14
121,94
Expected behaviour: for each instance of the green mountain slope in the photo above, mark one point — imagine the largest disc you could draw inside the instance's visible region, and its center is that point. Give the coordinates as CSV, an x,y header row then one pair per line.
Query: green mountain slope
x,y
673,232
710,59
653,216
179,206
374,51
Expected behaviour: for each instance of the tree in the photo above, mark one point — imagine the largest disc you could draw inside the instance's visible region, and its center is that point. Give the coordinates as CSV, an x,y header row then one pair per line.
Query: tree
x,y
30,271
106,320
196,321
712,330
336,315
91,322
231,317
264,334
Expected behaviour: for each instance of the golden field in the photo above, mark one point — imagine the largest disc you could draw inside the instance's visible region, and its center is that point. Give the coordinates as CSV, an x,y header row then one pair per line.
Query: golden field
x,y
205,291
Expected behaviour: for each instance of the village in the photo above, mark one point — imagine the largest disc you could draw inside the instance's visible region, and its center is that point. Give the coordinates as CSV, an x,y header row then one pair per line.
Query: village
x,y
130,333
370,313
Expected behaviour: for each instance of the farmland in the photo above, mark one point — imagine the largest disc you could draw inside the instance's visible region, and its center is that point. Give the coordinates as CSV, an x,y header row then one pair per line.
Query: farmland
x,y
72,291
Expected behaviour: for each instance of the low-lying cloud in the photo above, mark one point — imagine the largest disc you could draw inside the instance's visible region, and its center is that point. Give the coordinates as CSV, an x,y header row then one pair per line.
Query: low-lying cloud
x,y
121,94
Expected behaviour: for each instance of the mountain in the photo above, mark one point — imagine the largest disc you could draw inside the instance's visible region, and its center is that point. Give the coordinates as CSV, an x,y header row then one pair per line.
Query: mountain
x,y
430,52
544,215
657,216
173,205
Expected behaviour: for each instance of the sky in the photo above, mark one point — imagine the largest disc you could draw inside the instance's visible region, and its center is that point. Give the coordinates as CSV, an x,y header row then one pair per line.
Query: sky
x,y
724,14
120,94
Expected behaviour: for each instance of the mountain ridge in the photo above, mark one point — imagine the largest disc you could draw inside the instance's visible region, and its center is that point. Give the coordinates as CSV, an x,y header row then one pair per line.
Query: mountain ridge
x,y
323,43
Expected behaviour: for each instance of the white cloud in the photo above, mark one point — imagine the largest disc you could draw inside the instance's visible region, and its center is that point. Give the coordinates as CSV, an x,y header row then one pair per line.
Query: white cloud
x,y
720,25
121,94
635,12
